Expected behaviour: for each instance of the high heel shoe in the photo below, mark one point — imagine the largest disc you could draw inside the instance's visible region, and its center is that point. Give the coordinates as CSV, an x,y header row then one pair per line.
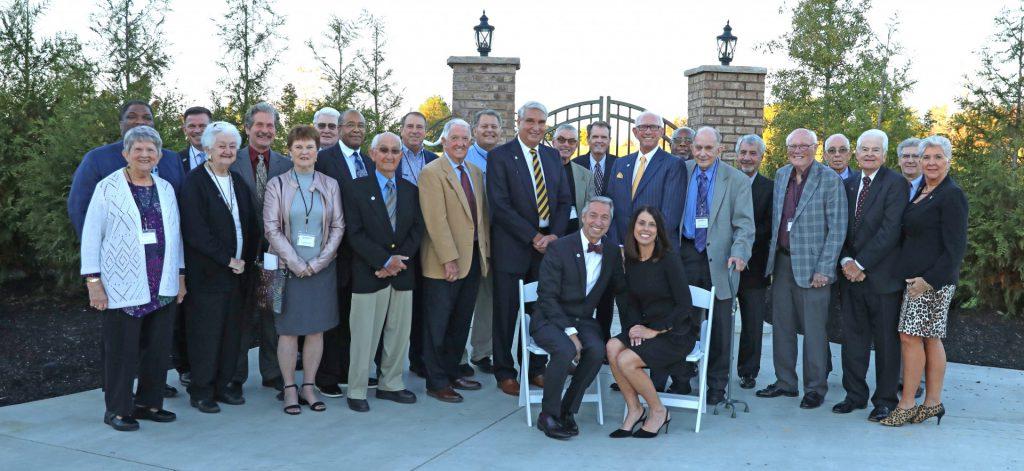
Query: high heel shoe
x,y
641,433
926,412
293,409
899,416
623,433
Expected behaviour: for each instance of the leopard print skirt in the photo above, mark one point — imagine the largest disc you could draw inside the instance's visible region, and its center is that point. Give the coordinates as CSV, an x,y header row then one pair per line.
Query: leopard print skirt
x,y
926,315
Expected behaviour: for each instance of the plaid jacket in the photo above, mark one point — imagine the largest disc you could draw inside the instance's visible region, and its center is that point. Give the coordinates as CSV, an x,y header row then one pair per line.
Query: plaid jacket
x,y
819,225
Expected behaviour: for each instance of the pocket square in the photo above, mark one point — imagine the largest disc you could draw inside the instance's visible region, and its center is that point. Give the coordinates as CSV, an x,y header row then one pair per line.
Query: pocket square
x,y
618,175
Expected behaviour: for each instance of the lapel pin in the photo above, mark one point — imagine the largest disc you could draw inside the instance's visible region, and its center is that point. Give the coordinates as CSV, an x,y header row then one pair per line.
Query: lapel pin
x,y
577,255
372,198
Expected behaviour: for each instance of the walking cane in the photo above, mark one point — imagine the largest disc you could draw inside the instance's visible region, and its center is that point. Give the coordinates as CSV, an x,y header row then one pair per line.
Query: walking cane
x,y
729,402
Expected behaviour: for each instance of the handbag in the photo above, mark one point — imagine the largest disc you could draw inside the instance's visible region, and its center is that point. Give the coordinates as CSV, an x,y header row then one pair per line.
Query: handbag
x,y
271,289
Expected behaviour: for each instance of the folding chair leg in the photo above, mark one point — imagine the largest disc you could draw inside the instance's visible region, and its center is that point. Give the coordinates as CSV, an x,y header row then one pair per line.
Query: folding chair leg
x,y
600,404
524,387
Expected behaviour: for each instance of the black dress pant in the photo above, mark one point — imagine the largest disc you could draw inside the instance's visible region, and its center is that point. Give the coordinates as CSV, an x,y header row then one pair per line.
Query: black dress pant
x,y
449,311
136,346
503,324
561,352
337,344
214,333
416,330
870,318
256,324
605,314
179,343
753,306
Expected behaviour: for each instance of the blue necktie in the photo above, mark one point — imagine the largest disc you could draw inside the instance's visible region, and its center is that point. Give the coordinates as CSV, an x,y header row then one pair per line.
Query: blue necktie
x,y
700,239
360,168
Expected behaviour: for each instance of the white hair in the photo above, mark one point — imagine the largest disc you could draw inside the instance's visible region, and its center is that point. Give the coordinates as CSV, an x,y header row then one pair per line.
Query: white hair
x,y
452,123
600,199
216,128
837,136
751,139
328,112
376,139
532,105
814,136
565,127
718,135
143,134
936,141
661,122
908,142
875,133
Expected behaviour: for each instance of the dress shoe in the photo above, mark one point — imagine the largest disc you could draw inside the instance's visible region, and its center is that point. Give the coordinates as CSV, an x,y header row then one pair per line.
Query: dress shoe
x,y
848,406
372,383
926,412
124,424
509,386
484,364
330,390
773,390
185,378
206,406
537,381
715,396
466,371
466,384
159,415
276,383
404,396
811,400
230,398
569,424
641,433
898,416
879,413
234,386
445,395
169,391
551,427
358,405
682,388
747,382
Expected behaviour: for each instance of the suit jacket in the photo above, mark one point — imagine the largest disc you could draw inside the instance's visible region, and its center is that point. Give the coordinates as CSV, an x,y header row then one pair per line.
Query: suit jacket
x,y
819,224
184,156
761,194
513,201
935,236
874,243
243,167
561,292
663,186
331,162
730,226
373,239
583,180
449,221
609,163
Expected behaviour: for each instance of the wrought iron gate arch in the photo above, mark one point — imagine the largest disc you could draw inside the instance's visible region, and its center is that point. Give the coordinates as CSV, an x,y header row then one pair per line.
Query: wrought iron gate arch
x,y
620,115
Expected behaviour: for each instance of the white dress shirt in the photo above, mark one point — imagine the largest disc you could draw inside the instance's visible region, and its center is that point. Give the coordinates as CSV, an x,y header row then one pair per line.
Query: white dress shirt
x,y
529,165
595,163
592,261
860,188
347,152
193,158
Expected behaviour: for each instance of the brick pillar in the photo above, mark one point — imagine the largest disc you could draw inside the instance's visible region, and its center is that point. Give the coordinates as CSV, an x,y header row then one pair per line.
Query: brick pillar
x,y
479,83
729,98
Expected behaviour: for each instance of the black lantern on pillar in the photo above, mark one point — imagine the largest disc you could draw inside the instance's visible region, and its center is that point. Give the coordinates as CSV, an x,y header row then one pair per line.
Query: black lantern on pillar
x,y
484,33
726,45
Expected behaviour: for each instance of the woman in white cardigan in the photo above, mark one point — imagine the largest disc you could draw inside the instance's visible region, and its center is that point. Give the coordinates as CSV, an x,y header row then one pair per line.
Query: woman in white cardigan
x,y
133,264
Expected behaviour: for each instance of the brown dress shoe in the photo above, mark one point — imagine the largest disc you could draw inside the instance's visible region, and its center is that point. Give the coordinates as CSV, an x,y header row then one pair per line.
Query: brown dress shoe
x,y
445,395
466,384
509,386
538,381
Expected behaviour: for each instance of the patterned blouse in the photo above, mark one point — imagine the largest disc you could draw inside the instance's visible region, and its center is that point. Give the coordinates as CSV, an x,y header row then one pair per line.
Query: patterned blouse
x,y
148,201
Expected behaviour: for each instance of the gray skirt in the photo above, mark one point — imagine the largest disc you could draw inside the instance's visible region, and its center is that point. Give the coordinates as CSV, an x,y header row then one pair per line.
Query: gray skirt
x,y
310,305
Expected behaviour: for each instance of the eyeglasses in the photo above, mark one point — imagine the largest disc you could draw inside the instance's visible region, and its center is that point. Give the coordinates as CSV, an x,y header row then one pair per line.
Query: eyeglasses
x,y
799,146
388,150
562,140
910,156
354,125
682,141
833,150
648,127
323,126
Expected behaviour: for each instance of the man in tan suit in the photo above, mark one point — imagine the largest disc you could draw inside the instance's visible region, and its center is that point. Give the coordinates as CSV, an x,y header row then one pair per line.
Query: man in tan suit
x,y
454,257
581,180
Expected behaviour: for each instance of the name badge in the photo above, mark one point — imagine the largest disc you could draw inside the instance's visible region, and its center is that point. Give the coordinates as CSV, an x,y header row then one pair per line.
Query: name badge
x,y
702,223
789,225
305,240
148,237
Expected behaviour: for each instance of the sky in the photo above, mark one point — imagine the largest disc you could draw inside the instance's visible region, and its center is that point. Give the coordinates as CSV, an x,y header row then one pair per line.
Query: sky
x,y
570,51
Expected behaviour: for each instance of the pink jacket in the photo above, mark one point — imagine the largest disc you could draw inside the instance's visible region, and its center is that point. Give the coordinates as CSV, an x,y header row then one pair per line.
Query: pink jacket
x,y
281,191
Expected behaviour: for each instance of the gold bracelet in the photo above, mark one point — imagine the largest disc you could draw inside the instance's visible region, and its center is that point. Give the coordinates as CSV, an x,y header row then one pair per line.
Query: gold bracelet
x,y
92,279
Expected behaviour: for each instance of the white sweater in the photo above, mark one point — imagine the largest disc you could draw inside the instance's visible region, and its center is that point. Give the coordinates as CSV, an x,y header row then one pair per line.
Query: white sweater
x,y
112,244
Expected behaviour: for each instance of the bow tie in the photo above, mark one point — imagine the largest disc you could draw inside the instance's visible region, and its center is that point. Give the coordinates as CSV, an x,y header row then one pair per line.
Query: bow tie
x,y
596,248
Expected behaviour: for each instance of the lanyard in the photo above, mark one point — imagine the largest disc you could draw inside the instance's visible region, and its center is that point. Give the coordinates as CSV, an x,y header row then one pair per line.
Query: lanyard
x,y
231,188
308,208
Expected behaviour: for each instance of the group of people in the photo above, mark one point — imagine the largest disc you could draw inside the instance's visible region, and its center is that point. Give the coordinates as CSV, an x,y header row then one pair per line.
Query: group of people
x,y
346,260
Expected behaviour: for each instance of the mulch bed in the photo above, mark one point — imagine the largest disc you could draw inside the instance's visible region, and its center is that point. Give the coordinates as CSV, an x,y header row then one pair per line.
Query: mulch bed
x,y
50,341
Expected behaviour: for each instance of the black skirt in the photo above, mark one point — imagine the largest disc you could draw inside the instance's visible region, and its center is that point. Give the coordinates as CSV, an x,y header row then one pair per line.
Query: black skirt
x,y
663,352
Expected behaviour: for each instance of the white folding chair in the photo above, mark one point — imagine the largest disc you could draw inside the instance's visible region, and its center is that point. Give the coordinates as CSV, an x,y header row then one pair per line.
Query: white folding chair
x,y
704,300
527,396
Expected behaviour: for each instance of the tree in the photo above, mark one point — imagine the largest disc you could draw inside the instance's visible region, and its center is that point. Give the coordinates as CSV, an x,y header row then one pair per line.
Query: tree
x,y
382,100
335,69
249,30
131,44
436,110
294,112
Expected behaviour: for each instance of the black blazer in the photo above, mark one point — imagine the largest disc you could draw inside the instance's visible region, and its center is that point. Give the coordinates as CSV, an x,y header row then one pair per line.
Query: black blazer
x,y
373,241
934,236
875,241
609,161
208,232
330,161
561,289
761,190
183,156
513,204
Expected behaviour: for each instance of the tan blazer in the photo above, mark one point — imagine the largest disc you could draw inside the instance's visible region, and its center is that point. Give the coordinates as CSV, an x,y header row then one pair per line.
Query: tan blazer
x,y
449,222
277,202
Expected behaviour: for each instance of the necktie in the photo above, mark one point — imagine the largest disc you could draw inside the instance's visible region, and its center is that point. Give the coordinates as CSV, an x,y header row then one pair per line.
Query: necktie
x,y
360,168
700,239
543,211
860,202
598,178
200,158
639,173
595,248
261,182
468,189
391,202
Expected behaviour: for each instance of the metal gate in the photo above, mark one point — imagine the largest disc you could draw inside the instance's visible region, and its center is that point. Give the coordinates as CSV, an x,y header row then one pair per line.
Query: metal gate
x,y
619,114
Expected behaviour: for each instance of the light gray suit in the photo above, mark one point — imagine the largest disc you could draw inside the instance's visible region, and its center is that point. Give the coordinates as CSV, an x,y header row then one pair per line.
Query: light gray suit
x,y
585,189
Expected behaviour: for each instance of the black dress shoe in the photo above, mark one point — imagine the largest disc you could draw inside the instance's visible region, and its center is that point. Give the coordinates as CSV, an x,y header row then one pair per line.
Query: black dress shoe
x,y
773,390
682,387
185,378
747,382
847,406
569,424
404,396
715,396
551,427
358,405
124,424
484,364
230,398
234,387
879,413
330,390
206,406
811,400
466,371
169,391
372,383
159,415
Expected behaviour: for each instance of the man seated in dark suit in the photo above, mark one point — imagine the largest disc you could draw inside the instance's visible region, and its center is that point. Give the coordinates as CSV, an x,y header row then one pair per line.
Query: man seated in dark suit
x,y
871,288
576,271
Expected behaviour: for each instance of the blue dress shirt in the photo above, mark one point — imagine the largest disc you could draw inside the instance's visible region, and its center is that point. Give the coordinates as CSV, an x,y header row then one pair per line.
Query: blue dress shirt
x,y
690,211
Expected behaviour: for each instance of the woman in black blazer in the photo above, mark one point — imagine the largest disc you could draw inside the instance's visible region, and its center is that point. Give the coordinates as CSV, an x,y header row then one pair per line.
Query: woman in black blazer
x,y
660,327
932,249
220,233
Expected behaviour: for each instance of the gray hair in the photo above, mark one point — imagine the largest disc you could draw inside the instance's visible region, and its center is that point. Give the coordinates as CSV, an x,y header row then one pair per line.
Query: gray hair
x,y
352,110
936,141
487,112
376,139
678,131
565,127
532,105
261,107
661,121
452,123
839,136
328,112
142,134
908,142
219,127
814,136
718,135
875,133
600,199
751,139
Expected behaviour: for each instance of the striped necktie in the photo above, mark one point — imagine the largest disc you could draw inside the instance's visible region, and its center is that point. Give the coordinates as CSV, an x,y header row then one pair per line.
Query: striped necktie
x,y
391,202
543,211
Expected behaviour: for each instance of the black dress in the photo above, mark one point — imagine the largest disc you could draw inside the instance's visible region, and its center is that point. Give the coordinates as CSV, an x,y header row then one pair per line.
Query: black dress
x,y
659,298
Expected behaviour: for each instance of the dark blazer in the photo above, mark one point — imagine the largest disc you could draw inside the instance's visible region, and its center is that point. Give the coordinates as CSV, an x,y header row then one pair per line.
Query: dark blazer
x,y
609,164
561,291
662,186
208,232
183,156
935,236
373,240
761,191
513,203
875,241
331,162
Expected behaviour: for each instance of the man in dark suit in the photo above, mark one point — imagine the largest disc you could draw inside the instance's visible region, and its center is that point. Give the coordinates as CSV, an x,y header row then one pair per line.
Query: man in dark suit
x,y
343,162
753,281
575,273
529,199
257,164
870,286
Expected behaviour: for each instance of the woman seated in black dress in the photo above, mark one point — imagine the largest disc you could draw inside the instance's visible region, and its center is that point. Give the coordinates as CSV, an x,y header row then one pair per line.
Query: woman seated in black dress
x,y
660,327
